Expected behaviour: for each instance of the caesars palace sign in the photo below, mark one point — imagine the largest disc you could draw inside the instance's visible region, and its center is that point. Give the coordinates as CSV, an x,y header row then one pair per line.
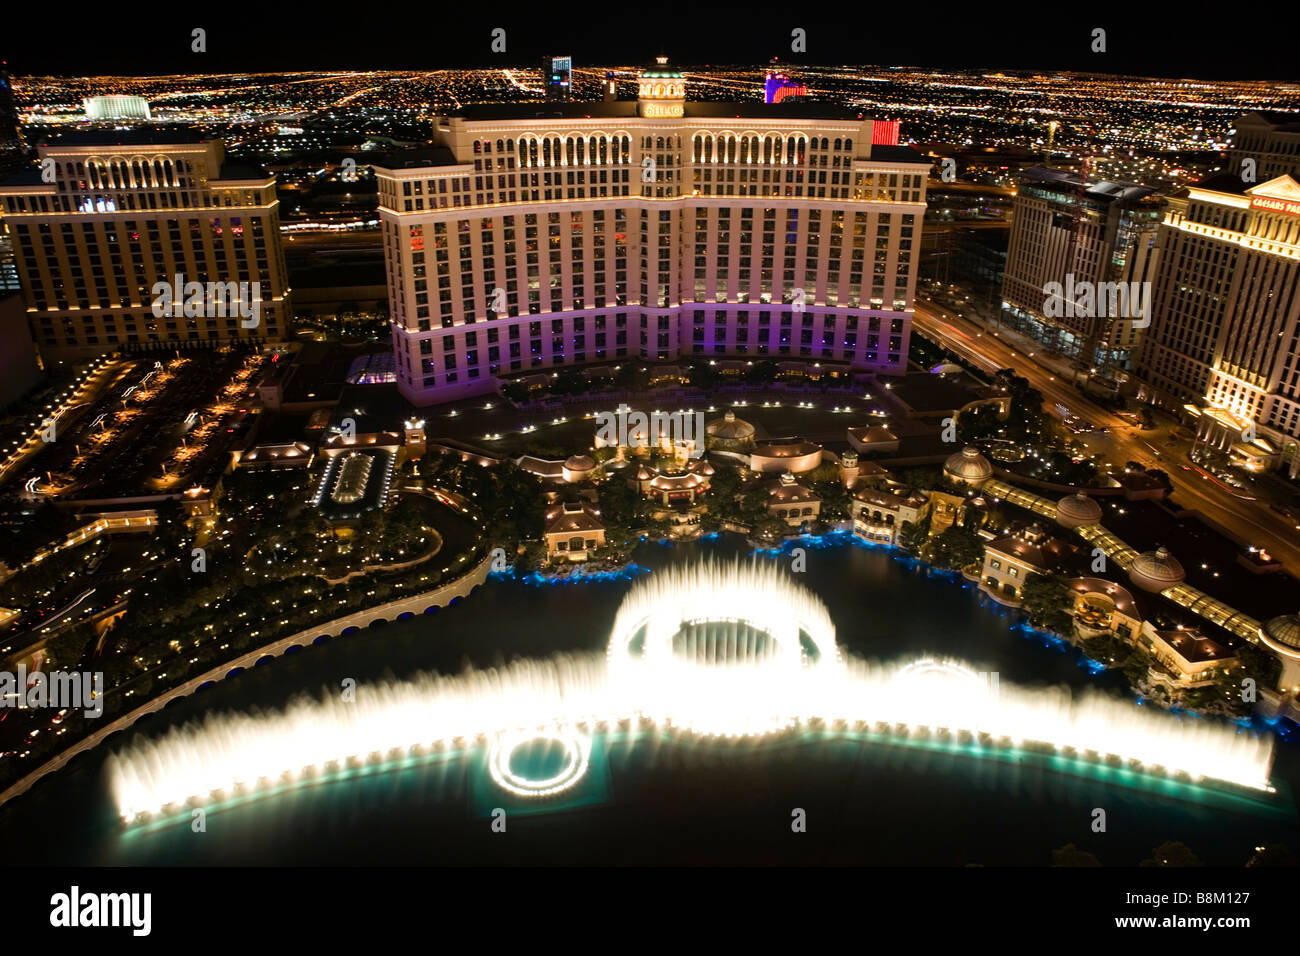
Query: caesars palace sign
x,y
1289,206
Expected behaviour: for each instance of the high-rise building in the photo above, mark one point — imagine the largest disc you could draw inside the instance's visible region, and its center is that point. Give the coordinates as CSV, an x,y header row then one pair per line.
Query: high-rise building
x,y
610,88
9,281
1271,140
125,211
1223,349
557,78
20,364
13,152
1067,239
778,87
648,230
10,126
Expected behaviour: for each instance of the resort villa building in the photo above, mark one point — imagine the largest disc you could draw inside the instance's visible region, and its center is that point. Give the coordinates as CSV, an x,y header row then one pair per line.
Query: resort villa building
x,y
1184,658
785,455
1009,561
573,531
674,486
791,501
878,515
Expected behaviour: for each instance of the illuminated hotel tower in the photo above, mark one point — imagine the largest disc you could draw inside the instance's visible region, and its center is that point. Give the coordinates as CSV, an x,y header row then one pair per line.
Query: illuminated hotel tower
x,y
1272,140
557,75
127,209
650,230
1223,349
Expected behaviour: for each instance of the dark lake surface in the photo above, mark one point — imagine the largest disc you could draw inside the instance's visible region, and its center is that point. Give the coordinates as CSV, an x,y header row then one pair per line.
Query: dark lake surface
x,y
652,797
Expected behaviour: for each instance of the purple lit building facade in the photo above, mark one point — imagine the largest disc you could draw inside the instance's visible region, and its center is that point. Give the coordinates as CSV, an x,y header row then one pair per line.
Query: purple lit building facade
x,y
537,238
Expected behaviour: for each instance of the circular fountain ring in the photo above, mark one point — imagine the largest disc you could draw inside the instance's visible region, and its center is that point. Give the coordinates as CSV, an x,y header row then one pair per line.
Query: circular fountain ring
x,y
927,667
754,599
577,756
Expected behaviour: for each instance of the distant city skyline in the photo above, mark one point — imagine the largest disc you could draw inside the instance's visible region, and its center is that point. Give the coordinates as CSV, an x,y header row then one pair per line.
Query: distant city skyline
x,y
1141,43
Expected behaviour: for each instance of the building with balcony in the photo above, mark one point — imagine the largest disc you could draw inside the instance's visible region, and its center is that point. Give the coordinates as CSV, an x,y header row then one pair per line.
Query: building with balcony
x,y
1223,350
879,515
1011,560
790,501
535,237
126,211
573,530
1074,236
1272,140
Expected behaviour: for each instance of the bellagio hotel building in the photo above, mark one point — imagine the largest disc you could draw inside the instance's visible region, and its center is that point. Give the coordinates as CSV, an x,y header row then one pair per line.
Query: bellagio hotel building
x,y
125,209
532,238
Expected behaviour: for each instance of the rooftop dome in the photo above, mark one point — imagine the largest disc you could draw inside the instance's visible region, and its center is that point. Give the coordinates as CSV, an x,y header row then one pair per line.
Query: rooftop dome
x,y
730,428
1283,630
579,463
969,466
1077,509
1156,570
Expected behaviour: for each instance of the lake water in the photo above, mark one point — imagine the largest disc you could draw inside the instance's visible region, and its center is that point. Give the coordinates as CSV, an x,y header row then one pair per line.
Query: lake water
x,y
652,797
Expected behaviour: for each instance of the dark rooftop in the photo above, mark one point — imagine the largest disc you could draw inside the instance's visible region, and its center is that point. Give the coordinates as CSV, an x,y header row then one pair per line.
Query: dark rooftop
x,y
898,154
131,136
1101,190
627,108
1285,122
1224,183
415,158
31,176
235,171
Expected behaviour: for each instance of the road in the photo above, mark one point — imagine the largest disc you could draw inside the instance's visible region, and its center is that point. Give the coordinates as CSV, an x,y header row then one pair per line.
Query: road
x,y
1251,521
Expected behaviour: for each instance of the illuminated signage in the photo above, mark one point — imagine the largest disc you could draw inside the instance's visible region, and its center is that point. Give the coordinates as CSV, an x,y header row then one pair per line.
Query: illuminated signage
x,y
1289,206
661,110
561,68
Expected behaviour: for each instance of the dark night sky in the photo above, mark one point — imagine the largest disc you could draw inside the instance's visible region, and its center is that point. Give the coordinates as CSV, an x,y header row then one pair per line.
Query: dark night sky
x,y
323,36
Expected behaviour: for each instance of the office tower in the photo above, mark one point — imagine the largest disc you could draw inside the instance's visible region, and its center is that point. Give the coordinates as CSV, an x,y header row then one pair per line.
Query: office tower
x,y
1272,140
1075,236
127,210
651,230
1223,350
610,88
556,78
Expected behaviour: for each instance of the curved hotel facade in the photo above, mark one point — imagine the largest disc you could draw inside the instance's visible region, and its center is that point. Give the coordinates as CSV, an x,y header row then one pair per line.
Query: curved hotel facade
x,y
536,237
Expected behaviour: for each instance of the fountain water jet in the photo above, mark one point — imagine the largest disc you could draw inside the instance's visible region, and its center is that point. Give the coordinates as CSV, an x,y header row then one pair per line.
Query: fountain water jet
x,y
683,654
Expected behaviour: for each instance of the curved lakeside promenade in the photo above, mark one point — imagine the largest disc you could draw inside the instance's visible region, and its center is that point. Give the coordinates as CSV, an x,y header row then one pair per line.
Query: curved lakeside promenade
x,y
422,603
